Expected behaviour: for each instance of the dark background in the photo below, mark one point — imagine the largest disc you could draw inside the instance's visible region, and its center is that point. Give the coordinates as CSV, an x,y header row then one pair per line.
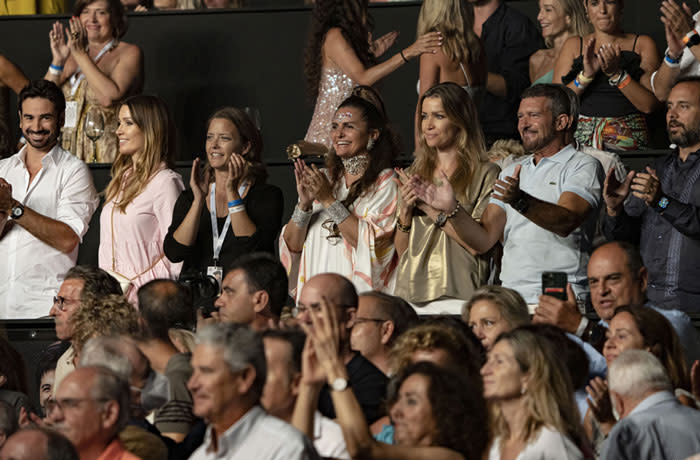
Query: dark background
x,y
202,60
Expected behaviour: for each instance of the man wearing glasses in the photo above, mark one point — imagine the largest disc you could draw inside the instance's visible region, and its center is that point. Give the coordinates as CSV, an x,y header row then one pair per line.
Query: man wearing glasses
x,y
367,382
90,408
79,282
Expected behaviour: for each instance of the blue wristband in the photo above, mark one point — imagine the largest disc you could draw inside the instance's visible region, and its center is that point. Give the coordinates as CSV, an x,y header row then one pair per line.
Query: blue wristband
x,y
234,203
577,83
55,67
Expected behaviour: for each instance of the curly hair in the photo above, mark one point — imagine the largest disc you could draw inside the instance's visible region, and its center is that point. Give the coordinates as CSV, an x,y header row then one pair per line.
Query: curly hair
x,y
662,341
464,353
383,155
103,316
355,23
457,405
471,147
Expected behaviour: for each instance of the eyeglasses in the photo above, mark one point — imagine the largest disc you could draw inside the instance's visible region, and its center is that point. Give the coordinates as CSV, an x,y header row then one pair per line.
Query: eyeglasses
x,y
68,403
359,320
61,301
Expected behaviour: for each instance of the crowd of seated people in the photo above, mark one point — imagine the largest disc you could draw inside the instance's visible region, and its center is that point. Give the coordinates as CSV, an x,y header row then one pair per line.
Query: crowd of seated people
x,y
400,312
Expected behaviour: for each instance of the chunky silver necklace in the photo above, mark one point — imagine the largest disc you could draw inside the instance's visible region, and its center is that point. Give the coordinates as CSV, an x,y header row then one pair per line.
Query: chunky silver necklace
x,y
356,165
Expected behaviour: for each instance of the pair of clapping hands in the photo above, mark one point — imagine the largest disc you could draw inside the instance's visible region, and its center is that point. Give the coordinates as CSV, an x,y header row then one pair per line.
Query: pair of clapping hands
x,y
415,190
199,177
643,185
312,184
678,22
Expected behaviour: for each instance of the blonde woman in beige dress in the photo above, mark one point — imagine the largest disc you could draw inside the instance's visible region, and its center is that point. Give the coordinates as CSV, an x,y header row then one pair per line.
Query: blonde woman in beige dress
x,y
438,271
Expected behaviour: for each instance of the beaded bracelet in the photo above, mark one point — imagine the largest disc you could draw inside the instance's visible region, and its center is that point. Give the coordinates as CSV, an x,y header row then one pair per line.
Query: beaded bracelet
x,y
403,228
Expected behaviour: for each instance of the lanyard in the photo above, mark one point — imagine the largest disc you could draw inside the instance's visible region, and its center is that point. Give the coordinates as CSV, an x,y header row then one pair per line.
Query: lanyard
x,y
218,240
78,76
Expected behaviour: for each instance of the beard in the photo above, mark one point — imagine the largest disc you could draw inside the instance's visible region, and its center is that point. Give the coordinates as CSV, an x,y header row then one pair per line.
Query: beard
x,y
685,137
539,142
48,141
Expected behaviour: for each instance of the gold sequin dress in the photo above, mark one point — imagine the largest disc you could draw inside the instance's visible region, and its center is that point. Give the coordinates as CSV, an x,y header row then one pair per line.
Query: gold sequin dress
x,y
74,139
333,89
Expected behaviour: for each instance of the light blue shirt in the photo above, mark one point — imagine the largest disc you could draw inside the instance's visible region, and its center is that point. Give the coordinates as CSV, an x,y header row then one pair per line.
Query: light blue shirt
x,y
528,249
659,428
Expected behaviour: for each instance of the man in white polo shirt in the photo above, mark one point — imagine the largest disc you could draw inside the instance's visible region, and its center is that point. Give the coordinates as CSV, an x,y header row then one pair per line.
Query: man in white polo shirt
x,y
544,206
52,198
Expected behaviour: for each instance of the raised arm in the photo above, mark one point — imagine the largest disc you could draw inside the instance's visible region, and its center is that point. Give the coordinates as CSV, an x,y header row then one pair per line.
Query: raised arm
x,y
11,75
338,50
295,231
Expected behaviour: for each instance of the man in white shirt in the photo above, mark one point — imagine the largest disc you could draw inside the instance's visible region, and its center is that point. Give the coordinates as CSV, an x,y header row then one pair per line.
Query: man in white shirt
x,y
53,198
229,372
544,206
283,351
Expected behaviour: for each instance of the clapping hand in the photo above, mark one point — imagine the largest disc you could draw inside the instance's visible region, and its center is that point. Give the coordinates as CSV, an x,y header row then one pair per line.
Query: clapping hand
x,y
408,195
57,41
5,196
237,169
591,62
199,183
615,192
609,57
646,186
318,185
77,38
599,400
677,20
440,197
324,335
508,189
306,198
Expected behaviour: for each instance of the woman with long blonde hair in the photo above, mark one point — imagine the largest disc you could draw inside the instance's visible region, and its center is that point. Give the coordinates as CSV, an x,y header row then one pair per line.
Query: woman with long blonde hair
x,y
140,197
460,59
437,271
559,20
531,400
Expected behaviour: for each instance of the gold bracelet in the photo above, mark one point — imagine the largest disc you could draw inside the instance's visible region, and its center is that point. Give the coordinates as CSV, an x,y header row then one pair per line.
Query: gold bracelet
x,y
402,227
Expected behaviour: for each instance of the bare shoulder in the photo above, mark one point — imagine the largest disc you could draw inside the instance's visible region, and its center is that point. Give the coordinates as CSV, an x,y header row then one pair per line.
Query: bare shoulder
x,y
127,50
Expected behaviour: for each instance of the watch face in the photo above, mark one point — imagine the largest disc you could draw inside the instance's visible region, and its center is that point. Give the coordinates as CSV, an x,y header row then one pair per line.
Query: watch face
x,y
663,202
17,212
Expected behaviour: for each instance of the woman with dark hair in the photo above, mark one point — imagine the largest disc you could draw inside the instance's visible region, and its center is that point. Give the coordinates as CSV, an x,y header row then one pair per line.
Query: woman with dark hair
x,y
606,70
140,198
344,219
96,71
530,395
229,210
437,412
438,271
339,56
636,328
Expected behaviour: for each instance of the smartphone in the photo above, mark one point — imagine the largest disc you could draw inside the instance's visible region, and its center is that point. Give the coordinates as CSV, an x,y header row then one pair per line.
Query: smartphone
x,y
554,284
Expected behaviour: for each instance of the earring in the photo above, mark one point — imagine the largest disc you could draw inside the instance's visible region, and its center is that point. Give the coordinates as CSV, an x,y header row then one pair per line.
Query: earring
x,y
370,144
523,390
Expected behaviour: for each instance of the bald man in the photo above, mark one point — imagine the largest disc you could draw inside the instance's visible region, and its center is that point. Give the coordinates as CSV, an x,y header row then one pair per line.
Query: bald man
x,y
38,444
367,381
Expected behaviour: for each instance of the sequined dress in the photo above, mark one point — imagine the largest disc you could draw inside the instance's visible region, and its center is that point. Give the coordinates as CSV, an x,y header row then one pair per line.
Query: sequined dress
x,y
333,89
75,140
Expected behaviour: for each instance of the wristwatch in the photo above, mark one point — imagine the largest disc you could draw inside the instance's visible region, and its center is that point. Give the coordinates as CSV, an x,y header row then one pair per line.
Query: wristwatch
x,y
441,220
521,204
17,211
339,384
663,203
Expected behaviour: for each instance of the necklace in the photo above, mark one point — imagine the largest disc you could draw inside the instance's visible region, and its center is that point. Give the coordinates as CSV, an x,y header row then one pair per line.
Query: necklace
x,y
356,165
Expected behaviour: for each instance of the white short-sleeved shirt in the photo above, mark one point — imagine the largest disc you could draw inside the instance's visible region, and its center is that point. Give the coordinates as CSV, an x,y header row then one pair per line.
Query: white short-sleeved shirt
x,y
32,271
528,249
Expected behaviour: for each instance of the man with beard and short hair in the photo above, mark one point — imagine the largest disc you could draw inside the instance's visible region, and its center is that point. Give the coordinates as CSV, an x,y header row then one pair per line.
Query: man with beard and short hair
x,y
544,206
662,215
46,200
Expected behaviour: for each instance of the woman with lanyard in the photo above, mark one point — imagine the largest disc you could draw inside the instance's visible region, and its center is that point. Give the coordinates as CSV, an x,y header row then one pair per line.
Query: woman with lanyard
x,y
229,210
96,71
